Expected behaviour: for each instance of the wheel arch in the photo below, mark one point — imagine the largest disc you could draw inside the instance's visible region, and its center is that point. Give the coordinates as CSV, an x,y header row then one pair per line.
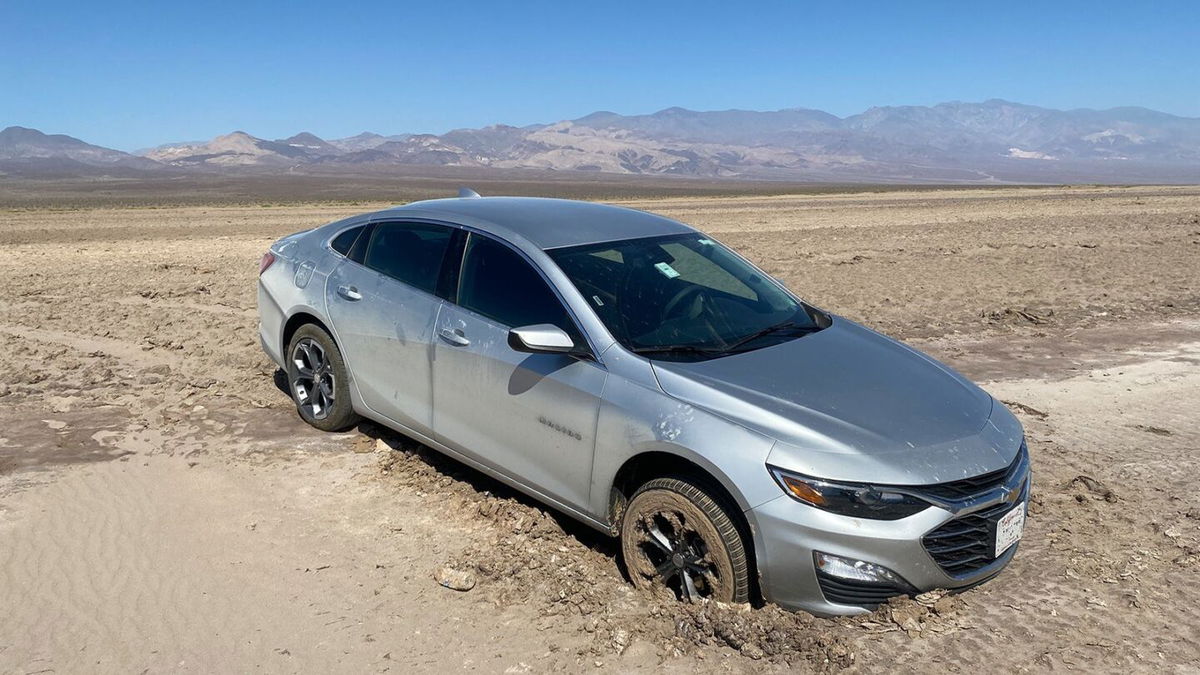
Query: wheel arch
x,y
649,464
300,318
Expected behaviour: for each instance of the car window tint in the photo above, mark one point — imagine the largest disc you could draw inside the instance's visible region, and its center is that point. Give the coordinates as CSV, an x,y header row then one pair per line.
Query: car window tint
x,y
447,286
409,252
345,241
680,290
695,267
499,284
359,251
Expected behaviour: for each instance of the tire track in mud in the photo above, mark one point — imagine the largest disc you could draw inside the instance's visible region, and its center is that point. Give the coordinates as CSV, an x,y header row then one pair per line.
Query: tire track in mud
x,y
91,344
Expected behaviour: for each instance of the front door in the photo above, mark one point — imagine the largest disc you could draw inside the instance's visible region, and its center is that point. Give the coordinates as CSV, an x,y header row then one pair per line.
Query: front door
x,y
382,301
530,416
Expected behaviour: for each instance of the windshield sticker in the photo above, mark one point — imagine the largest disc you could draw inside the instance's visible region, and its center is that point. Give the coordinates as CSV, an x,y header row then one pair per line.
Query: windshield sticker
x,y
596,299
706,242
667,271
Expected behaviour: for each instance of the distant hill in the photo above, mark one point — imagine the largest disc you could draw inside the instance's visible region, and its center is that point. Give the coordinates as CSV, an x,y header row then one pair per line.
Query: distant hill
x,y
31,152
990,141
240,149
364,141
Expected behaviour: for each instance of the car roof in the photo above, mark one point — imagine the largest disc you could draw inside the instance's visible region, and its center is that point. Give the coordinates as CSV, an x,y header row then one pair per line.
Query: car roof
x,y
550,223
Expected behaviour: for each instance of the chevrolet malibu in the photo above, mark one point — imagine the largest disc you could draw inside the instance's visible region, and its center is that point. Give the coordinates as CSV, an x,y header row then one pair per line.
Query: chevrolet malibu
x,y
639,376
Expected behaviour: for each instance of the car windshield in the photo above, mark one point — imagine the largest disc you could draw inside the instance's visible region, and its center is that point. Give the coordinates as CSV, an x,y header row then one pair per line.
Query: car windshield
x,y
682,297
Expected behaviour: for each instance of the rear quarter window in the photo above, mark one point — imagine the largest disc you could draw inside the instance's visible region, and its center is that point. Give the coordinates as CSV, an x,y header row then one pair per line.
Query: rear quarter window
x,y
345,241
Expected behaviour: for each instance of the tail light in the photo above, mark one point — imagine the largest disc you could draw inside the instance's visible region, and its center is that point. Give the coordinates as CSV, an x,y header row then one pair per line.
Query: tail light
x,y
268,259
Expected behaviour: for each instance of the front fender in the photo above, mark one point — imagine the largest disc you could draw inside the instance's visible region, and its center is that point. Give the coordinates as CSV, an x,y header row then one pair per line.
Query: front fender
x,y
636,419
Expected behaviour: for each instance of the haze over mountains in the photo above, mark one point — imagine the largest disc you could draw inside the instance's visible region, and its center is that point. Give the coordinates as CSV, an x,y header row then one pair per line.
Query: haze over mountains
x,y
950,142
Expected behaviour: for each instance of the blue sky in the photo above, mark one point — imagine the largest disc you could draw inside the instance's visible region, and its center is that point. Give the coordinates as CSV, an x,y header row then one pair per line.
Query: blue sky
x,y
130,75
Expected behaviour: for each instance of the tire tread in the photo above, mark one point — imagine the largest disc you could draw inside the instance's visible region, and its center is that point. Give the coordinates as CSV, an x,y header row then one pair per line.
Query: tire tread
x,y
342,417
691,490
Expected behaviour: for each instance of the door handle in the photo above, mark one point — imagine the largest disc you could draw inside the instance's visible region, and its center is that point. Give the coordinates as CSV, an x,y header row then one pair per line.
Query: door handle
x,y
454,337
350,293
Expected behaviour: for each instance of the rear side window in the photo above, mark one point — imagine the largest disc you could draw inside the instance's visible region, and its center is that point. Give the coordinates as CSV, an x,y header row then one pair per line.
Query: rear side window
x,y
345,241
499,284
409,252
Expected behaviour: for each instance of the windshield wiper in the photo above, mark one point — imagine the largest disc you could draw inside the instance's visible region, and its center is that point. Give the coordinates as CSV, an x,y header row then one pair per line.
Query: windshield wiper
x,y
678,349
783,325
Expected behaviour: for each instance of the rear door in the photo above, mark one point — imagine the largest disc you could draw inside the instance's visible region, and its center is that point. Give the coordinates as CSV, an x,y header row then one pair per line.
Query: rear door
x,y
383,302
530,416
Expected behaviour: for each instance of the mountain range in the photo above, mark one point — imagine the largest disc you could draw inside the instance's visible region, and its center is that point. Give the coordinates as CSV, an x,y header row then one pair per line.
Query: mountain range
x,y
950,142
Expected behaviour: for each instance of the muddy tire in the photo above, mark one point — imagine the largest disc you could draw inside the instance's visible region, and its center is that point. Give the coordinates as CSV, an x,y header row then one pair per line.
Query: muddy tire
x,y
318,381
675,534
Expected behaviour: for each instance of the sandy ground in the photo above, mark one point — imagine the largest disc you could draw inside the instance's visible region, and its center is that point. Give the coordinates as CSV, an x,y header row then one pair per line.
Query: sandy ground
x,y
162,507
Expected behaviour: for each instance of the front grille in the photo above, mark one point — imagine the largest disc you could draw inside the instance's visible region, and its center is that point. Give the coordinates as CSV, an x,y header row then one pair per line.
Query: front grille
x,y
967,544
856,593
969,487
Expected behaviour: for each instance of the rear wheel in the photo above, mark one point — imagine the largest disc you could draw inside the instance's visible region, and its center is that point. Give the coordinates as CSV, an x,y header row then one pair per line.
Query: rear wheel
x,y
674,534
318,381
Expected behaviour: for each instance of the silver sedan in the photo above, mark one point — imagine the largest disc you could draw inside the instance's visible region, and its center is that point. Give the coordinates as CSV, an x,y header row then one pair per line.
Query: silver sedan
x,y
646,380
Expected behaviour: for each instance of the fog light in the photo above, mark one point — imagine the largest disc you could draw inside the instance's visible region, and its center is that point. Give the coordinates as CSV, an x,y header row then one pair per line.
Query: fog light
x,y
857,570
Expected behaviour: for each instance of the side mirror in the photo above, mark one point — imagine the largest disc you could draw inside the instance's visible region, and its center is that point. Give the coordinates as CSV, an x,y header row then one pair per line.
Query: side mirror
x,y
542,338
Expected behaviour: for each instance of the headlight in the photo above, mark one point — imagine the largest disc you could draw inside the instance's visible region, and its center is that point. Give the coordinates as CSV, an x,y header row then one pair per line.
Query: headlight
x,y
859,500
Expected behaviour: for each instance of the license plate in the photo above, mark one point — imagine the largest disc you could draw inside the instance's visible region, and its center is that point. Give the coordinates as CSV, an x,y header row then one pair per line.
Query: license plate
x,y
1008,529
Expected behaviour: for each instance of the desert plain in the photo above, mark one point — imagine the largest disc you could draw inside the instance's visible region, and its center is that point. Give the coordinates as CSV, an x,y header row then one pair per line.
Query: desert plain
x,y
163,508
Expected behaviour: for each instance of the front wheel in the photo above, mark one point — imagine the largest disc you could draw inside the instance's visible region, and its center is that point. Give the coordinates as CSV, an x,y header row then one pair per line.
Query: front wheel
x,y
318,380
674,534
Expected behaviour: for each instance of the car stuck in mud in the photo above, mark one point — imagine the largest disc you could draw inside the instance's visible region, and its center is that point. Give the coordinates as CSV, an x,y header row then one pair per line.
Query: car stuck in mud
x,y
639,376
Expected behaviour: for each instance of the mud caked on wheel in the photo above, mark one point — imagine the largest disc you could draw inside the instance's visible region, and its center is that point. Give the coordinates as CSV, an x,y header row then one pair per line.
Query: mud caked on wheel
x,y
317,380
674,534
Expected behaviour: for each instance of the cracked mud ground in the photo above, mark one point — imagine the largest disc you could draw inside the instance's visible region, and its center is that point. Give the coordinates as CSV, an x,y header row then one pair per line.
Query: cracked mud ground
x,y
162,507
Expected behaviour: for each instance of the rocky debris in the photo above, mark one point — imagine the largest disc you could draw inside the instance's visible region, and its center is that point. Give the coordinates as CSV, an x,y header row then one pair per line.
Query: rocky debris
x,y
1028,410
1009,315
769,633
1157,431
1184,533
854,260
936,611
455,579
1093,487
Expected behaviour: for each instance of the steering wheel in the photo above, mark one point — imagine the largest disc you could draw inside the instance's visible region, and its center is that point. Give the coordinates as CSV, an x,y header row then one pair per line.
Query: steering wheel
x,y
684,294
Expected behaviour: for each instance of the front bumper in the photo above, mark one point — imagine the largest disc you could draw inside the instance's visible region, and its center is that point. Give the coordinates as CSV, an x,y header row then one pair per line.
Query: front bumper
x,y
790,531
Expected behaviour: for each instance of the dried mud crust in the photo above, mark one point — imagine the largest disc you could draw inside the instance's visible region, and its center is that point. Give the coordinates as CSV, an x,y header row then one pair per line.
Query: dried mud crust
x,y
674,523
523,554
132,333
1087,555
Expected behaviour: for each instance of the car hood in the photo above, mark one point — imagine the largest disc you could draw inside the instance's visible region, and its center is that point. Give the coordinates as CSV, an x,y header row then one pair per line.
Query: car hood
x,y
846,403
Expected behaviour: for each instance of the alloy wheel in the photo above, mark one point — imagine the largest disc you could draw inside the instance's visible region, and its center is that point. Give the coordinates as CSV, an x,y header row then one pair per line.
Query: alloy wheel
x,y
313,381
671,550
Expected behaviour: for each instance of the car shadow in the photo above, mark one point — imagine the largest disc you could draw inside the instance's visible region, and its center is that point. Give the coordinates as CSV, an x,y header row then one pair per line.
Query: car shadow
x,y
533,369
281,382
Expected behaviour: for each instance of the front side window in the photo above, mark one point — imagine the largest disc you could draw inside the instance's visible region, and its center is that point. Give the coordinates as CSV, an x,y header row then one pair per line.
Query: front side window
x,y
409,252
501,285
683,297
